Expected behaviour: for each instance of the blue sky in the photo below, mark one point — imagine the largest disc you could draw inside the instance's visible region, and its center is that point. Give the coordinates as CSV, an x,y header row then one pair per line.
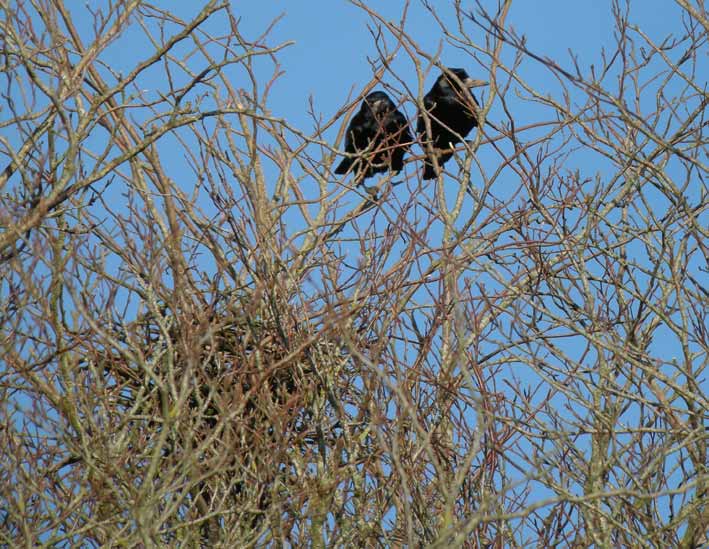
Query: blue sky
x,y
332,39
329,61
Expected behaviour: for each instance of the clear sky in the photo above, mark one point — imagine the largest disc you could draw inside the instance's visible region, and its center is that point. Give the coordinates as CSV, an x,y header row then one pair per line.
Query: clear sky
x,y
333,41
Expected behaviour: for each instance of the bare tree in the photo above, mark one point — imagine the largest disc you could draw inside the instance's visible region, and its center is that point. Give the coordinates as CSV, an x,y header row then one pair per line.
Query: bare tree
x,y
209,339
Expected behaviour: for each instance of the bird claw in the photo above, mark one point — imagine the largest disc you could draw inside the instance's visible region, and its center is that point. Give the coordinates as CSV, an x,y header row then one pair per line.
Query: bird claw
x,y
371,191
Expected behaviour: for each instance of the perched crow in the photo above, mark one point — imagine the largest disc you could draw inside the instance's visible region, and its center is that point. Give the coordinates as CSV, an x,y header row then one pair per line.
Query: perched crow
x,y
452,110
381,133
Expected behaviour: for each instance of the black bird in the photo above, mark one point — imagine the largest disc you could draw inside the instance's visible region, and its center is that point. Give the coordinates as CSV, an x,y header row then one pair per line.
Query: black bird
x,y
452,110
381,133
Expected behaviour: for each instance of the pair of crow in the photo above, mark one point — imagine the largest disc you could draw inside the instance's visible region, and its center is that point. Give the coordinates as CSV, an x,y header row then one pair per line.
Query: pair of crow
x,y
378,135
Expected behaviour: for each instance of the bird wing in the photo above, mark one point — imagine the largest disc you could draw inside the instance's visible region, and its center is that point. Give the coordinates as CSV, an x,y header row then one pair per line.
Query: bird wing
x,y
357,137
399,127
429,104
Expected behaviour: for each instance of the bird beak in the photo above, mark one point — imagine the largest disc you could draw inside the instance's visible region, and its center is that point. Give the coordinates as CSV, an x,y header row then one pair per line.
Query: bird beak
x,y
377,105
473,83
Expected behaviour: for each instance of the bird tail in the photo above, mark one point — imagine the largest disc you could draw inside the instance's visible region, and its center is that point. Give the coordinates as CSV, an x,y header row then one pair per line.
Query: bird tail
x,y
429,171
344,166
